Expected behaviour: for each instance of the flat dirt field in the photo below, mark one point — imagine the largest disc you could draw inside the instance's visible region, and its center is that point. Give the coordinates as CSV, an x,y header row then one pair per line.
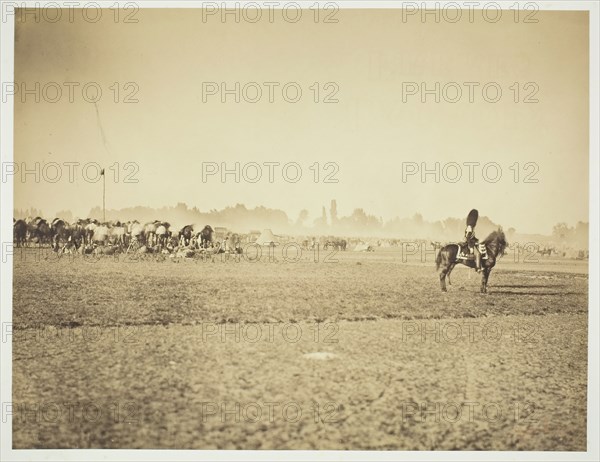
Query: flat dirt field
x,y
364,352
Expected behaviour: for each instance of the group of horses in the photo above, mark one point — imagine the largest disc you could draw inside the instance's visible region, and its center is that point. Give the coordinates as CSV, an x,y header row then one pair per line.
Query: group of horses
x,y
84,234
329,243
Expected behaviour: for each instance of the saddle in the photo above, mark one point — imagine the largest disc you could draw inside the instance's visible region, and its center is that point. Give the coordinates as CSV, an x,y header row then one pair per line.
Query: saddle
x,y
465,253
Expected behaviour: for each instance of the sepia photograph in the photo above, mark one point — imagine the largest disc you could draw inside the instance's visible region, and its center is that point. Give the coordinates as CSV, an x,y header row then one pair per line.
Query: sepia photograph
x,y
299,230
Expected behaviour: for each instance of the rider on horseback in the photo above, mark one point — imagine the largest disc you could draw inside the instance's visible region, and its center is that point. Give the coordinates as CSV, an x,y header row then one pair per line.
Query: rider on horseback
x,y
470,239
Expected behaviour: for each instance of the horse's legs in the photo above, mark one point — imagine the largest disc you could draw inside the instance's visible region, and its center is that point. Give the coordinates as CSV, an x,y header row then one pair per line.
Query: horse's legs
x,y
484,279
443,278
451,267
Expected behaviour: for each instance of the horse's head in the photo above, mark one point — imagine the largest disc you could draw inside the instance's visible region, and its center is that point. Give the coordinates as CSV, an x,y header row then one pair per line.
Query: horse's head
x,y
496,242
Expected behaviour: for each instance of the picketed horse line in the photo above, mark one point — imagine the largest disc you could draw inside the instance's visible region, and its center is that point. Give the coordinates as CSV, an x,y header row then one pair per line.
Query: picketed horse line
x,y
88,235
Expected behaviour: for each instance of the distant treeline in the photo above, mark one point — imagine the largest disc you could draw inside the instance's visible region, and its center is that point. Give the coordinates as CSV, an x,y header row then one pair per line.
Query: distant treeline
x,y
241,219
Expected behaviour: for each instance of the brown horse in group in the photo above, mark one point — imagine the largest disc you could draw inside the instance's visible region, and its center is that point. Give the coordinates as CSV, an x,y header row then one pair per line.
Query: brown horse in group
x,y
185,235
206,236
40,230
20,233
447,258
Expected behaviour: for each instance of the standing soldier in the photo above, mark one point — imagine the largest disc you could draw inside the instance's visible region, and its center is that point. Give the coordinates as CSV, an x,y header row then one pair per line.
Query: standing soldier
x,y
470,238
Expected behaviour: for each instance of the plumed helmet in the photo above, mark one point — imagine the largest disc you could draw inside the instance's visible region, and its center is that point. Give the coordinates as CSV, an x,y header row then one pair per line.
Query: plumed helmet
x,y
472,218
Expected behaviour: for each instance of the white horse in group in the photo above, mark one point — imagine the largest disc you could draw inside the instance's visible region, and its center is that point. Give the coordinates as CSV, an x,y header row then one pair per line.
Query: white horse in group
x,y
162,234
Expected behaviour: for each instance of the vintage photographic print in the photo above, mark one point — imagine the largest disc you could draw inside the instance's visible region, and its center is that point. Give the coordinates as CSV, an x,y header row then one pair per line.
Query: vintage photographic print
x,y
310,226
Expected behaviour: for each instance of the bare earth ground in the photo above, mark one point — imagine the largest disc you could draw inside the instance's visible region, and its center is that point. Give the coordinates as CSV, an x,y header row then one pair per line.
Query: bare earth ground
x,y
362,353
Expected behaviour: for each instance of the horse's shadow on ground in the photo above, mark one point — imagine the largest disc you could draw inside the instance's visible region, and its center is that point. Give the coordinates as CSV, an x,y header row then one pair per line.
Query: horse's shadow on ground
x,y
530,293
500,290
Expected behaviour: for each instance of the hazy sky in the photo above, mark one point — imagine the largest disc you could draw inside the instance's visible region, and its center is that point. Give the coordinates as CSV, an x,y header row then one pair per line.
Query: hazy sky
x,y
369,133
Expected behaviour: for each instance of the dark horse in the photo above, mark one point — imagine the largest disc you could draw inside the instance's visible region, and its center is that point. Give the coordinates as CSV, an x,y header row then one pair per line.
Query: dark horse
x,y
495,245
206,236
40,230
20,233
61,234
186,234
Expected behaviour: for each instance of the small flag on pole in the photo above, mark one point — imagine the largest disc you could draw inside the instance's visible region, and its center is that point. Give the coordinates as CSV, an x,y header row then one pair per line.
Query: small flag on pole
x,y
102,172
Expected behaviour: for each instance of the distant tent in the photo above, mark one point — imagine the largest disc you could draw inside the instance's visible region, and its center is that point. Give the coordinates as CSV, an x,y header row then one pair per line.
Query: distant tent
x,y
267,238
361,247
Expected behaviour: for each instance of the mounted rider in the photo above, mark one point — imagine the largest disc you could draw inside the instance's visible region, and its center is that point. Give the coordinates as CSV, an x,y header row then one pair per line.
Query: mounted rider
x,y
470,239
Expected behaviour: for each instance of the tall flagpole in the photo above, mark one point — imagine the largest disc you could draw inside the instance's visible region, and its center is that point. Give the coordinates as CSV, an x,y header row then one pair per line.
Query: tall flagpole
x,y
103,197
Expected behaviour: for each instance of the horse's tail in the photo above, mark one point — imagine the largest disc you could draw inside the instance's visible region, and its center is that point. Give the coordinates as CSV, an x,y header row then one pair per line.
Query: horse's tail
x,y
438,260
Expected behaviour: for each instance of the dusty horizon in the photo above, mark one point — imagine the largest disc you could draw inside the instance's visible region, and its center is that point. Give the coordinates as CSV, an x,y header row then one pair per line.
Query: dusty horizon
x,y
260,217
